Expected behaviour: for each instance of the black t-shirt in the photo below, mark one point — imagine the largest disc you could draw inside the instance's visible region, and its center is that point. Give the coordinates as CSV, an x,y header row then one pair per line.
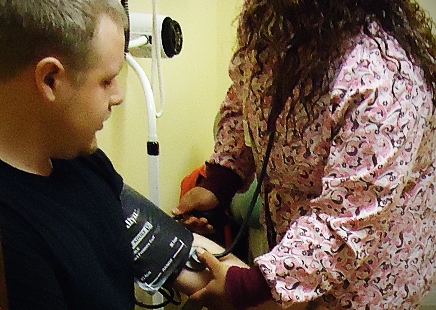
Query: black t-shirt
x,y
64,237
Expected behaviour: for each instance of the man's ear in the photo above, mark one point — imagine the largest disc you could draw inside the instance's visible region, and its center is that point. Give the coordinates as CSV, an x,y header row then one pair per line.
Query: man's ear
x,y
48,71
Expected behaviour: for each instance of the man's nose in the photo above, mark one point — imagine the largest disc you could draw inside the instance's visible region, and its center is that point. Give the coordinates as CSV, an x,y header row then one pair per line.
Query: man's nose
x,y
118,94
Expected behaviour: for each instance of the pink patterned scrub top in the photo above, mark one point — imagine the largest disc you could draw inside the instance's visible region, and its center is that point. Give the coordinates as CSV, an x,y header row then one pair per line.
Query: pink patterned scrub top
x,y
352,197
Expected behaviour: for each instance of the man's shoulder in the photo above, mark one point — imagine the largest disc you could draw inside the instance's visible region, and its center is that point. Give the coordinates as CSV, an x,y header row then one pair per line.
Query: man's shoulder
x,y
99,164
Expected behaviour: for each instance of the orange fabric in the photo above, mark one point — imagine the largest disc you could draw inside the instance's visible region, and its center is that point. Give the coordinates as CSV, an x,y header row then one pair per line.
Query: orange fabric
x,y
191,180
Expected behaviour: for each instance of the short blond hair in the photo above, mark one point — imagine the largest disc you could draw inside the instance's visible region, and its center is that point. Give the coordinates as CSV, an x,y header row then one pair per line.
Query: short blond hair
x,y
33,29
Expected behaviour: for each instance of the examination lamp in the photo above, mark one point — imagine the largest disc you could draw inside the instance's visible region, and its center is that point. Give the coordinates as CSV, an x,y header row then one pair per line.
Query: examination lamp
x,y
141,35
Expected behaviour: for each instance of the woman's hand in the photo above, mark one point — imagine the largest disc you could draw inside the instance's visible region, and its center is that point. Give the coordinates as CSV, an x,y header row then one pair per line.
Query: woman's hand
x,y
197,199
207,287
213,295
189,282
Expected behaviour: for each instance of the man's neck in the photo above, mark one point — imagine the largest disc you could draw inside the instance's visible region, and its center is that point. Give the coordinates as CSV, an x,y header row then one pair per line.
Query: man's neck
x,y
22,142
25,159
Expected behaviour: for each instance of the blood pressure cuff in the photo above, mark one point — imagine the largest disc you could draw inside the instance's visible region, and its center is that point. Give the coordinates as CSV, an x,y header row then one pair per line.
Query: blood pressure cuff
x,y
161,246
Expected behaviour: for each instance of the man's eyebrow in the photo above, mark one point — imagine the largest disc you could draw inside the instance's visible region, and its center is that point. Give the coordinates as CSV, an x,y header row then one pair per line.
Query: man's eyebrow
x,y
120,68
122,65
113,75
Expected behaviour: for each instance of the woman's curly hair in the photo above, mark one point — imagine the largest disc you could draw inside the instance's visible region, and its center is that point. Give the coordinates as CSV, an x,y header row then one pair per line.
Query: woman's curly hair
x,y
304,37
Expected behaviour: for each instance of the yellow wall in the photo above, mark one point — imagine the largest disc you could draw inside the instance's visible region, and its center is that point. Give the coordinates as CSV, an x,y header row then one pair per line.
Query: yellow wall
x,y
195,83
430,6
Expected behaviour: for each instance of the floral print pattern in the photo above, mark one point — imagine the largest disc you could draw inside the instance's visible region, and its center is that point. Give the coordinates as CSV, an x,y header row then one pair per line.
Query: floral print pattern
x,y
352,197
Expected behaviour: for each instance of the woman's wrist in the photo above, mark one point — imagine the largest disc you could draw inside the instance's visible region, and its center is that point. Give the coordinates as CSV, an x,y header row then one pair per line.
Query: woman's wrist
x,y
222,182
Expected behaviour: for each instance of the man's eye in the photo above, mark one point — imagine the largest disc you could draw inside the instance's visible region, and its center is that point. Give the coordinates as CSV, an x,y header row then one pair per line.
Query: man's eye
x,y
107,83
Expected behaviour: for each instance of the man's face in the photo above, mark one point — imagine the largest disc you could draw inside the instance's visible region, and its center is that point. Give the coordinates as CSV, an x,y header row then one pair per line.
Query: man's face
x,y
86,105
